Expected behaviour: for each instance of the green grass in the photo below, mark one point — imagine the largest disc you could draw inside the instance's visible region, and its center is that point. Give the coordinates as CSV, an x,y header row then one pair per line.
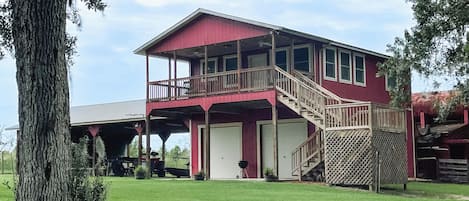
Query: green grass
x,y
129,189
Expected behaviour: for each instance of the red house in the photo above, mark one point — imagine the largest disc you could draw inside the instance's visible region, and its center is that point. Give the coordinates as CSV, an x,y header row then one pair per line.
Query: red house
x,y
277,98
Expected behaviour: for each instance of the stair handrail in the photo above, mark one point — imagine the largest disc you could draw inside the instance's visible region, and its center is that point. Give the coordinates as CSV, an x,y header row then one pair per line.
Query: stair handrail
x,y
315,85
315,150
301,85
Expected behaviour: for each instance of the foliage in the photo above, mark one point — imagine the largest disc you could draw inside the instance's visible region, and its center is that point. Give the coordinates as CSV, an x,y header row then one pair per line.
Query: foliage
x,y
83,187
141,172
269,172
437,45
100,153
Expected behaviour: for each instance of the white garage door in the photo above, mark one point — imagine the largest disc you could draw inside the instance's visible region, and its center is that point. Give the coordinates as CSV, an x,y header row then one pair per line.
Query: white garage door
x,y
225,152
290,135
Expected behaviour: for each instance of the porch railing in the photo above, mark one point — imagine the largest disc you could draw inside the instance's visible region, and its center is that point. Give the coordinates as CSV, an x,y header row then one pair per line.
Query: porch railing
x,y
365,115
251,79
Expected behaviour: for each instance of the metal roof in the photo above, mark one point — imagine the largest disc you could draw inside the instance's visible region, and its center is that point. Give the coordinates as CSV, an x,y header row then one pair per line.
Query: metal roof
x,y
141,50
104,113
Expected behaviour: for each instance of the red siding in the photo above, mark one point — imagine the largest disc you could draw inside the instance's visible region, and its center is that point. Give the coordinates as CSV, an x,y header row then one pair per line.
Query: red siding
x,y
249,133
374,91
208,30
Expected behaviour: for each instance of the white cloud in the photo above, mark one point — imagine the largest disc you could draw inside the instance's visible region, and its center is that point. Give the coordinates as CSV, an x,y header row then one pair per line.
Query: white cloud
x,y
399,7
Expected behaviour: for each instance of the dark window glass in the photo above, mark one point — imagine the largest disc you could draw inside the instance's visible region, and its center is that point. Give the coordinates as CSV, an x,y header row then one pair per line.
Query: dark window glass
x,y
330,63
345,66
231,64
359,69
281,59
301,59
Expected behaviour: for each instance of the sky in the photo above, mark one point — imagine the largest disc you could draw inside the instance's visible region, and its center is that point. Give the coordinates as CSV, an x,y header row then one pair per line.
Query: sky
x,y
106,70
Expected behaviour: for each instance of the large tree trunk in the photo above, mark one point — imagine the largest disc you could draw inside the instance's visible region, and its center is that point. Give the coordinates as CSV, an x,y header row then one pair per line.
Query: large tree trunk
x,y
44,140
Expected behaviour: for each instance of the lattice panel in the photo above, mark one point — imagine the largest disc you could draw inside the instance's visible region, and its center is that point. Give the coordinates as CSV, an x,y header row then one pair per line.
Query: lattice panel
x,y
393,156
349,157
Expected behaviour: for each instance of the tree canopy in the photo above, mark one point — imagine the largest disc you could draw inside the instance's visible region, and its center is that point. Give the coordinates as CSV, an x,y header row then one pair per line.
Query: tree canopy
x,y
437,45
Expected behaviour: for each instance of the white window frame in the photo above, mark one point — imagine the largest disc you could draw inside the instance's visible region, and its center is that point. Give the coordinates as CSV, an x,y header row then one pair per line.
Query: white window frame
x,y
229,57
287,50
208,60
325,66
340,66
355,55
310,58
225,80
386,82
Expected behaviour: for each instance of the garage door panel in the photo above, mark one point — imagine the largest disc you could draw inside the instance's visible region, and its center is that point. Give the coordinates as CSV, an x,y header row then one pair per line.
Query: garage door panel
x,y
225,152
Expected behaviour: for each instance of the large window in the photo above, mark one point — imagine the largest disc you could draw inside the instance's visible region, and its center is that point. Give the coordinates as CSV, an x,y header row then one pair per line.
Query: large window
x,y
301,59
281,59
345,62
212,65
330,64
360,69
390,82
230,62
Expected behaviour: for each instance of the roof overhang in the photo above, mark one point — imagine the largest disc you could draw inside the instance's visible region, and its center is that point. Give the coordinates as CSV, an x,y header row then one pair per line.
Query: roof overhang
x,y
142,49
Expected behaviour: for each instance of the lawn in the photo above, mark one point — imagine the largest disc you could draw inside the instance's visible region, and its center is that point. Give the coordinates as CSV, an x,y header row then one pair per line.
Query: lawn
x,y
129,189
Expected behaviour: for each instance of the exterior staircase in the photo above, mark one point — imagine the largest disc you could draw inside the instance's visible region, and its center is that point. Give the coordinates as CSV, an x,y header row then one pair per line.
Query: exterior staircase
x,y
309,100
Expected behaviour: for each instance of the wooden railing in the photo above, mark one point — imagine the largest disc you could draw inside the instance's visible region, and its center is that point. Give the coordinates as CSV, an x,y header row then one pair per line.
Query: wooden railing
x,y
365,115
251,79
305,152
304,95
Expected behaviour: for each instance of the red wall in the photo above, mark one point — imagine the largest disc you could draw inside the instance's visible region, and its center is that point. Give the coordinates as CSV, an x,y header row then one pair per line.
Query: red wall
x,y
208,30
374,91
249,133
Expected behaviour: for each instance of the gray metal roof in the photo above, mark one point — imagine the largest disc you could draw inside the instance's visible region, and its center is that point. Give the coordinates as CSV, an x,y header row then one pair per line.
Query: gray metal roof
x,y
104,113
141,50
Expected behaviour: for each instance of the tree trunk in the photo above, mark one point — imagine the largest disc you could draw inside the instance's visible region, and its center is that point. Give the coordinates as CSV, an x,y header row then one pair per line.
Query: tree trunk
x,y
43,97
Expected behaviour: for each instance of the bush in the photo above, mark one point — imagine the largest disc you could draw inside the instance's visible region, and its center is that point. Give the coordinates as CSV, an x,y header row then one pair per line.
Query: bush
x,y
141,172
83,187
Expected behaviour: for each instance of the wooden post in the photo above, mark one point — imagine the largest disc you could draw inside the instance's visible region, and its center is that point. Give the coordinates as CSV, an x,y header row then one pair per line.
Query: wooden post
x,y
300,171
422,120
206,69
292,56
138,128
147,156
238,56
169,78
272,58
148,78
275,137
176,93
94,132
128,150
466,117
207,145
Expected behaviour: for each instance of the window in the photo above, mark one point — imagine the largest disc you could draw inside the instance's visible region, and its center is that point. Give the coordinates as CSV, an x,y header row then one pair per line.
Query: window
x,y
390,82
230,62
360,72
301,59
329,64
281,59
345,61
212,65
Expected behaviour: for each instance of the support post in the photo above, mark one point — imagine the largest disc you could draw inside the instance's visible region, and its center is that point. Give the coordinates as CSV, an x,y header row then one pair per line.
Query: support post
x,y
206,69
94,130
176,91
207,145
292,56
138,128
422,120
238,56
466,117
148,149
275,137
148,77
300,171
272,58
169,78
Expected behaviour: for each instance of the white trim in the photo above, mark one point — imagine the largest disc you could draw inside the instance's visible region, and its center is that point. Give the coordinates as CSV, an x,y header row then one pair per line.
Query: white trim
x,y
199,151
386,83
253,55
208,60
355,69
229,57
325,64
258,136
220,125
308,45
340,66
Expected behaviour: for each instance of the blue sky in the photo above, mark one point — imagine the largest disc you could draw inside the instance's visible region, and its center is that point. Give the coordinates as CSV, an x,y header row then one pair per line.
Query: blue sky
x,y
106,70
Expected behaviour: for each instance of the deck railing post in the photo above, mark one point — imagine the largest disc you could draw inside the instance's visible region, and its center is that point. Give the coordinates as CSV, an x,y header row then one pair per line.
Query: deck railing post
x,y
206,69
239,60
169,78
